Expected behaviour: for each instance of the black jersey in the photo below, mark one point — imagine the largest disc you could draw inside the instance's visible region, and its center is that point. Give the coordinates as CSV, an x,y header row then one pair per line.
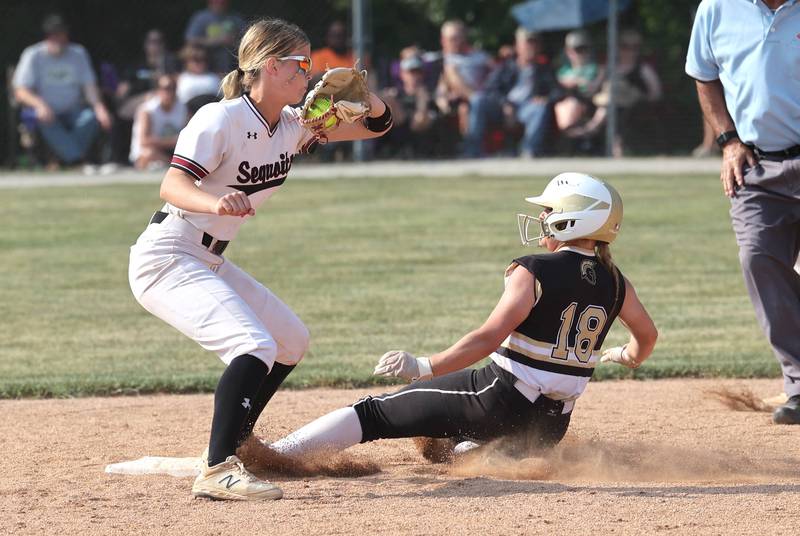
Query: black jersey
x,y
556,348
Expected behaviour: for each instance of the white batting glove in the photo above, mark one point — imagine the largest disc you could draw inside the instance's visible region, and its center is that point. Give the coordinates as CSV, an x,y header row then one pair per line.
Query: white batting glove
x,y
403,365
619,355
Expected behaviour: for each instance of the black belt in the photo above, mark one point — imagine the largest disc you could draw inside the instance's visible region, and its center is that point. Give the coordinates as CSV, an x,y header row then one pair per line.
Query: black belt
x,y
548,405
775,156
218,245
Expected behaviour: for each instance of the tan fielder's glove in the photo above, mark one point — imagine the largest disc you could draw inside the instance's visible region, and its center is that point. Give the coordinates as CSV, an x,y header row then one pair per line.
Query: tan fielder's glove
x,y
619,355
403,365
348,93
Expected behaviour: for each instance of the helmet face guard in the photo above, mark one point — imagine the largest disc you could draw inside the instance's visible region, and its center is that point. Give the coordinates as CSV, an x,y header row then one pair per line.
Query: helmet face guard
x,y
524,221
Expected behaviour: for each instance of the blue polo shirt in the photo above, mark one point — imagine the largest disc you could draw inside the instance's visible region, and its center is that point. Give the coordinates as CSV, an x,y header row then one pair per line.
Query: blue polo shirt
x,y
755,53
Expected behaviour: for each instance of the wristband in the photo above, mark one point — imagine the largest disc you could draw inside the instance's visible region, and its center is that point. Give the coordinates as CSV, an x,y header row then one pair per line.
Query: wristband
x,y
381,123
425,369
725,137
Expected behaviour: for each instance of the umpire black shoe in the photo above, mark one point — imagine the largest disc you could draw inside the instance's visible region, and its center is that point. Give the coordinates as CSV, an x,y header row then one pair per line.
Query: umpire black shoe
x,y
789,413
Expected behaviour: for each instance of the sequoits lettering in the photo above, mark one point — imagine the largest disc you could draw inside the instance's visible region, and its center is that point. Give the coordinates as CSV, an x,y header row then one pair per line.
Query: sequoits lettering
x,y
264,172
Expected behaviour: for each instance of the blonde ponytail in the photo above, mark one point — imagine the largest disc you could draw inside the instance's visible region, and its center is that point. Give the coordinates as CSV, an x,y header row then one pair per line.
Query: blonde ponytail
x,y
263,39
603,253
232,86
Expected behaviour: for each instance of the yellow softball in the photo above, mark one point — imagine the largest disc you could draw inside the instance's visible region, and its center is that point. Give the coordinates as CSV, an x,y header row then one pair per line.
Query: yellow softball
x,y
320,107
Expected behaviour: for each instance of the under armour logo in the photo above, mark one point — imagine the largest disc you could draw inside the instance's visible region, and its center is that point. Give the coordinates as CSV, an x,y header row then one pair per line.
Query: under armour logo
x,y
246,404
253,135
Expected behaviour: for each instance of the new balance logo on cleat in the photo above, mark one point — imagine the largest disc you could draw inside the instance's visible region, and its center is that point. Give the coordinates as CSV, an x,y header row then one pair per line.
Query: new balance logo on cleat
x,y
246,404
231,481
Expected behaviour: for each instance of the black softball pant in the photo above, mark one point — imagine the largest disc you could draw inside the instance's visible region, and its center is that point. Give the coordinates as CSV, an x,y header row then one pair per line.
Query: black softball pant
x,y
479,405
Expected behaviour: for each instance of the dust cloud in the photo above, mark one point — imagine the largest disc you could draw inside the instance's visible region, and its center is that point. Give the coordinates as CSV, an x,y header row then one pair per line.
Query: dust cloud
x,y
579,460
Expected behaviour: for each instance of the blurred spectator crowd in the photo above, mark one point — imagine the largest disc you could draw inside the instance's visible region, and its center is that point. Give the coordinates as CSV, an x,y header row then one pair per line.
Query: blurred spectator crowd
x,y
124,115
462,101
459,101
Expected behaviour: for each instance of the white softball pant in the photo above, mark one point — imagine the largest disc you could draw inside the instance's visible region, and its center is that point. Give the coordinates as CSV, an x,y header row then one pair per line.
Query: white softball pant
x,y
211,300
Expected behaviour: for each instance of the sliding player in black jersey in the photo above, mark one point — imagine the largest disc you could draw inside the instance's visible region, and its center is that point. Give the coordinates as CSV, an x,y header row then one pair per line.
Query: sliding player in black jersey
x,y
543,337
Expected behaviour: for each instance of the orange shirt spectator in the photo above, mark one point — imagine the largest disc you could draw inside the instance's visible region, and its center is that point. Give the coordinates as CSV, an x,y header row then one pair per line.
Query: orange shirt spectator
x,y
326,57
336,52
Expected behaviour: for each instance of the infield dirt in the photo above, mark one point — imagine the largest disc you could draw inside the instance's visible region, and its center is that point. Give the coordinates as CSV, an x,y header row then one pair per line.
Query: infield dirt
x,y
640,457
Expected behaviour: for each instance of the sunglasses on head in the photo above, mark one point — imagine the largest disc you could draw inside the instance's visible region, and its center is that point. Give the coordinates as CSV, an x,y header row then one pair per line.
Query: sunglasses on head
x,y
303,63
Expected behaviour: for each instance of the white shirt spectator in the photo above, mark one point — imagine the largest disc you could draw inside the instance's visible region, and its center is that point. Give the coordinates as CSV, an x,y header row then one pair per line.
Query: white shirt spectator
x,y
472,66
163,123
192,85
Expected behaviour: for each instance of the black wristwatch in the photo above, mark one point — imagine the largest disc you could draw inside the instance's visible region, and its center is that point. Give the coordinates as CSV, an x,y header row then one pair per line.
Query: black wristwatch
x,y
725,137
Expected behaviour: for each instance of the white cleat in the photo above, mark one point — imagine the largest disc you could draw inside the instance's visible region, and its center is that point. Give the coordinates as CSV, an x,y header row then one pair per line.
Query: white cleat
x,y
464,447
230,480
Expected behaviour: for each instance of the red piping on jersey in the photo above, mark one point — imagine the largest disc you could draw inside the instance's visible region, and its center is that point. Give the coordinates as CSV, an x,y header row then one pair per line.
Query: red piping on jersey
x,y
189,165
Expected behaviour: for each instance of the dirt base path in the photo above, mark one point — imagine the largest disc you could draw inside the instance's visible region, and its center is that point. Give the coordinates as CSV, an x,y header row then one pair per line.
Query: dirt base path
x,y
640,457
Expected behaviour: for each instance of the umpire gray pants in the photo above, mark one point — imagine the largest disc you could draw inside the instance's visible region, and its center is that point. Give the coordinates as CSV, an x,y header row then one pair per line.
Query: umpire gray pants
x,y
766,220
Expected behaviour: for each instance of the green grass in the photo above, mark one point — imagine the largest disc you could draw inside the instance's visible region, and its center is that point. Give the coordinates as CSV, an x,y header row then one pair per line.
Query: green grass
x,y
369,264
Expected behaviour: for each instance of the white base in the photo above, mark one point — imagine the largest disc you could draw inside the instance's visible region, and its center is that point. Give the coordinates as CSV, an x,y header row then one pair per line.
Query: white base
x,y
157,465
777,400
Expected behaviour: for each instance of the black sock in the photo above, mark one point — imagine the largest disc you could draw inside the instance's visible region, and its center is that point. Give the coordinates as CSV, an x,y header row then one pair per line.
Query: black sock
x,y
268,388
236,390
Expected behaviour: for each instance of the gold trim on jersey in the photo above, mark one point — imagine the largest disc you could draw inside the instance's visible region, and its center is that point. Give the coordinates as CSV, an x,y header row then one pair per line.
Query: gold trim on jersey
x,y
542,351
537,287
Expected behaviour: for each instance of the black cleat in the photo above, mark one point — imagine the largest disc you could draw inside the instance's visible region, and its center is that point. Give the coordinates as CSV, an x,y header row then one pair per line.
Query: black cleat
x,y
789,413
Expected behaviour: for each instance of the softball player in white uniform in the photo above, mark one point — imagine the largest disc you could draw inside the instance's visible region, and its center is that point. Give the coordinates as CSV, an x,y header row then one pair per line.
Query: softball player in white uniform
x,y
543,337
231,157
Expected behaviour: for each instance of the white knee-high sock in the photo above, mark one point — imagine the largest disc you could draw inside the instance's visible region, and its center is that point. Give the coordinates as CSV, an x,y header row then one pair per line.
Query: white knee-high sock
x,y
333,432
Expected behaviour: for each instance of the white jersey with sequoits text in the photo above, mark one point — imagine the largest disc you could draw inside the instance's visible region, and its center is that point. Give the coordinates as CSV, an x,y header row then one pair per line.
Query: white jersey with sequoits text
x,y
229,146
